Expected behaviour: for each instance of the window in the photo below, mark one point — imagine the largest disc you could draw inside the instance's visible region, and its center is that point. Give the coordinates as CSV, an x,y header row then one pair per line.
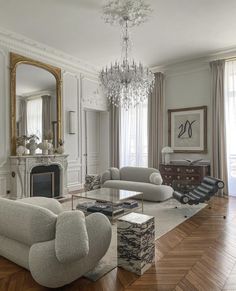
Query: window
x,y
230,110
34,117
134,137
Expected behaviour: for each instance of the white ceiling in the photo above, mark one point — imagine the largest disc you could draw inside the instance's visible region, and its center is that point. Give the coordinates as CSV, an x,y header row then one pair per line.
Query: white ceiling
x,y
177,29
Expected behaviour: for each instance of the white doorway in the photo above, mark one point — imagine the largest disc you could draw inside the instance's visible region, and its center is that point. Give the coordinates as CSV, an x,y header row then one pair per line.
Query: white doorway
x,y
95,142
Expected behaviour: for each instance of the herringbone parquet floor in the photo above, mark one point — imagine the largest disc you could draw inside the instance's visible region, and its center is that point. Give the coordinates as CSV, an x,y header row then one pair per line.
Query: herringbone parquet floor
x,y
199,254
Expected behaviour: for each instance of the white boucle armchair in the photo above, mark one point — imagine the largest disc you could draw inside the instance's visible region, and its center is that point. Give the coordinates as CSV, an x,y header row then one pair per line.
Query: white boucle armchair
x,y
56,246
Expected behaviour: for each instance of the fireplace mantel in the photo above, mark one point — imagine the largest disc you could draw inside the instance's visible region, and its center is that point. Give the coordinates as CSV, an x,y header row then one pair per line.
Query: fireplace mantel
x,y
21,167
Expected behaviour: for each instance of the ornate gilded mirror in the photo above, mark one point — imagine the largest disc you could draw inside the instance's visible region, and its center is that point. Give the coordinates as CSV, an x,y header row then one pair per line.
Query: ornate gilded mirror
x,y
35,100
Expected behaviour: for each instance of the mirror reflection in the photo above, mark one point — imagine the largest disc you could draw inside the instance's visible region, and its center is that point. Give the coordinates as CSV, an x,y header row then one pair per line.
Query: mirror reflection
x,y
36,103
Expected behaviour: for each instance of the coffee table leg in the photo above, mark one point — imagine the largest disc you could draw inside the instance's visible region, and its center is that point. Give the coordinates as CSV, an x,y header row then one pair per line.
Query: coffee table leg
x,y
112,217
142,203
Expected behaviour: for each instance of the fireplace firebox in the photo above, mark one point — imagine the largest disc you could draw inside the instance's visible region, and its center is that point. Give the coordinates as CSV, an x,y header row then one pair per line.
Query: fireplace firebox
x,y
45,181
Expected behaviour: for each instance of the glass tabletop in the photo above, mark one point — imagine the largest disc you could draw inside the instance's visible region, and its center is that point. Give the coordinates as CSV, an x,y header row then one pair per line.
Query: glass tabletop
x,y
108,194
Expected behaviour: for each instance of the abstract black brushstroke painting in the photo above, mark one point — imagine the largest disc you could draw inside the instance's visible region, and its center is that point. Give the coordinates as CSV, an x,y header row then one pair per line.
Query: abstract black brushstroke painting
x,y
186,127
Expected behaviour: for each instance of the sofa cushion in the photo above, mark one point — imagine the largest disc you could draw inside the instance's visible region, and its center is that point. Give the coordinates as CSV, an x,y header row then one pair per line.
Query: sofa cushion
x,y
26,223
151,192
137,174
106,176
155,178
115,173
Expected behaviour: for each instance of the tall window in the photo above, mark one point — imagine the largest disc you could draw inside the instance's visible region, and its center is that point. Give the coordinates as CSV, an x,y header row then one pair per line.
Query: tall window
x,y
134,140
34,117
230,110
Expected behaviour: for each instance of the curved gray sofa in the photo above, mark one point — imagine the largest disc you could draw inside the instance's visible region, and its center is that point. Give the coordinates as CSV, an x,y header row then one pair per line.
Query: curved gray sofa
x,y
136,179
56,246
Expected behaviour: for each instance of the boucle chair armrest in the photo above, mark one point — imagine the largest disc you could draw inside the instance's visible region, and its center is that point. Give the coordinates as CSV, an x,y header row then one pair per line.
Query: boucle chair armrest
x,y
99,233
71,241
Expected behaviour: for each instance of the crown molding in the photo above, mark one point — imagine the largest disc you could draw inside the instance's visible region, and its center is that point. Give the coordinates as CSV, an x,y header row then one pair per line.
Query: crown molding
x,y
202,60
34,49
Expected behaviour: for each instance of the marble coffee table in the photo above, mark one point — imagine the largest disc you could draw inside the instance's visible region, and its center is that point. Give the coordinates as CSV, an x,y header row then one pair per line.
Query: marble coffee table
x,y
111,196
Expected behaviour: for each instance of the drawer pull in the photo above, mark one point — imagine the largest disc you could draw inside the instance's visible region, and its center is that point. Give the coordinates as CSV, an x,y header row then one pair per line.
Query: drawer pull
x,y
190,170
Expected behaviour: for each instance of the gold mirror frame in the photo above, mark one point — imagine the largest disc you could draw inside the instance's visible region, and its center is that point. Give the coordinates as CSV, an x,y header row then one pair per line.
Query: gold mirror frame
x,y
15,60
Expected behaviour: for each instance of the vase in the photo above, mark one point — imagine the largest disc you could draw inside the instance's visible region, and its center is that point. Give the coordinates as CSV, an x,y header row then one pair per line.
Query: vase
x,y
60,150
32,147
166,159
20,151
44,146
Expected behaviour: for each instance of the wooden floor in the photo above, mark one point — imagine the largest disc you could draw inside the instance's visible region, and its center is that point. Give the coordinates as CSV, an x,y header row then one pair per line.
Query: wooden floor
x,y
199,254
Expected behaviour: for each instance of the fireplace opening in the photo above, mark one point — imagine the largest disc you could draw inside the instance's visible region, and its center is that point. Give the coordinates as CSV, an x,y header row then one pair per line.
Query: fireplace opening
x,y
45,181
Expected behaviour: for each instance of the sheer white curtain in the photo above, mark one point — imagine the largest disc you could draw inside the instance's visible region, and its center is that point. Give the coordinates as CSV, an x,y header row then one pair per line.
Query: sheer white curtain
x,y
230,107
134,136
34,117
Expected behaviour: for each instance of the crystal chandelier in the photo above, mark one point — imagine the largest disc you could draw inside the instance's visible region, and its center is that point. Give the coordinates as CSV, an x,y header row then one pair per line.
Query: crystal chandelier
x,y
126,83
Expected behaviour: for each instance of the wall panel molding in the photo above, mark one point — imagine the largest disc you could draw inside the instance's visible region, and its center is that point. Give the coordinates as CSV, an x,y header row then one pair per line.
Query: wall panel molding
x,y
92,95
3,184
74,175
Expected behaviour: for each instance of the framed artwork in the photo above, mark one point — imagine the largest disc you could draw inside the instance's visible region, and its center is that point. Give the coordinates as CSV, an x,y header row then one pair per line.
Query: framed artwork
x,y
187,129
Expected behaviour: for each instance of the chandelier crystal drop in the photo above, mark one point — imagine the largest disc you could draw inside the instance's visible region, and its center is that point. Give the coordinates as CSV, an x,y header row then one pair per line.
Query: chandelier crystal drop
x,y
126,83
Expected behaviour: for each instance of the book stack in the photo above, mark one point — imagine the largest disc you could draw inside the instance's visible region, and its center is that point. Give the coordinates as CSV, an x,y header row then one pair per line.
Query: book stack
x,y
84,205
97,207
113,211
106,208
130,204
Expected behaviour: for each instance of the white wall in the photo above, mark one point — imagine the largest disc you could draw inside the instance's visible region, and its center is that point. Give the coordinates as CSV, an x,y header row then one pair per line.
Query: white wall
x,y
188,86
104,141
71,100
93,141
80,90
97,141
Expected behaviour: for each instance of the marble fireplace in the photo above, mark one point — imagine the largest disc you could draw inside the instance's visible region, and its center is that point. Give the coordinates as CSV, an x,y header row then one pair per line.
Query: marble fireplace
x,y
39,175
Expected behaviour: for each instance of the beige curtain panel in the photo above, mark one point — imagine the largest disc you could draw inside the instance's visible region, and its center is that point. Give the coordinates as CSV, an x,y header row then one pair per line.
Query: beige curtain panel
x,y
155,122
23,118
114,136
219,157
46,118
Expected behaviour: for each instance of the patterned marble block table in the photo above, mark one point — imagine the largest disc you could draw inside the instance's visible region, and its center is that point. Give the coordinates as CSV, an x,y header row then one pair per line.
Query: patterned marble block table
x,y
136,242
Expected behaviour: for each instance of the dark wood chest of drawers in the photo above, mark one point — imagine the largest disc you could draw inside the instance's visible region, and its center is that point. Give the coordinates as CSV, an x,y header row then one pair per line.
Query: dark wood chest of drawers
x,y
183,177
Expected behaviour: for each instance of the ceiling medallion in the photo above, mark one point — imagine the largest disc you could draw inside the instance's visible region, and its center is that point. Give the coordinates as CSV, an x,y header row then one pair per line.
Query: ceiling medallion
x,y
126,83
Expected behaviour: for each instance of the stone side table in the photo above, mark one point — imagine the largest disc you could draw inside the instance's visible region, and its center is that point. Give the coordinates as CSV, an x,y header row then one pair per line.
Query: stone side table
x,y
136,242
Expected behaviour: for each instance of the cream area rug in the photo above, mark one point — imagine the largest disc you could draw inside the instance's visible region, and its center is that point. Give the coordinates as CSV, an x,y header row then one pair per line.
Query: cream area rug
x,y
167,217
